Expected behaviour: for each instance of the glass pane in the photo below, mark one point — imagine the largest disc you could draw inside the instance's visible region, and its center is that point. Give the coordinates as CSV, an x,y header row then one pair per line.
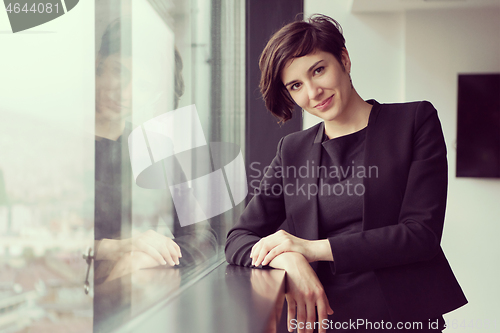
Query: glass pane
x,y
47,174
111,160
169,172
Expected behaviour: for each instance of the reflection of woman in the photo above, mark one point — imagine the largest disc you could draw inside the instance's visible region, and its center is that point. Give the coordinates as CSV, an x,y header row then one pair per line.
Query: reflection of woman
x,y
193,244
365,222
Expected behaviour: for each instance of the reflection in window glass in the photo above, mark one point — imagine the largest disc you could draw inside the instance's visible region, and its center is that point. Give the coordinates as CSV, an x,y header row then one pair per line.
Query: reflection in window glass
x,y
70,177
169,86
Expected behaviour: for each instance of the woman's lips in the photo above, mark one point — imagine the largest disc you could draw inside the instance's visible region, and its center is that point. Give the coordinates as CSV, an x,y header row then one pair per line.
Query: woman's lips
x,y
324,104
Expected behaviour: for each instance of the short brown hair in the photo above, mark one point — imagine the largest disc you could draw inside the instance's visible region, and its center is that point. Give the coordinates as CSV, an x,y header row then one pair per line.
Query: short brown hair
x,y
294,40
111,43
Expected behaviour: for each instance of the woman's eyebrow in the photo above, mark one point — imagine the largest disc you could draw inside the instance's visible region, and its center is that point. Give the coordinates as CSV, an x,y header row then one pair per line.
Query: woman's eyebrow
x,y
289,83
314,65
309,70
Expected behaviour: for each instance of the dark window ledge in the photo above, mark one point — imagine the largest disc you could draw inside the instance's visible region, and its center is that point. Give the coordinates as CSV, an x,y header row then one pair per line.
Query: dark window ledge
x,y
228,299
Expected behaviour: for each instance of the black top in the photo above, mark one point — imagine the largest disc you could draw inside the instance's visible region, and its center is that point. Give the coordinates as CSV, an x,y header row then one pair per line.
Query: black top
x,y
340,202
341,186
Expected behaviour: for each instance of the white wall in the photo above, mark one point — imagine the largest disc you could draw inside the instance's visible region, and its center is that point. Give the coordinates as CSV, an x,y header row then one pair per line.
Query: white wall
x,y
441,44
375,44
417,55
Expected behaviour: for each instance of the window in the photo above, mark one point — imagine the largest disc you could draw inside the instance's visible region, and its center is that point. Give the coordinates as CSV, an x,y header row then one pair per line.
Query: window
x,y
71,177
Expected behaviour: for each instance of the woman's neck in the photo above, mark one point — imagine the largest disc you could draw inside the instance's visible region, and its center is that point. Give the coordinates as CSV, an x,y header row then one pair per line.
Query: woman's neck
x,y
354,118
108,129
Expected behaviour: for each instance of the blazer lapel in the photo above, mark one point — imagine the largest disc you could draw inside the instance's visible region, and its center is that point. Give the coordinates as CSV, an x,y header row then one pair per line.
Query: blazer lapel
x,y
305,218
381,191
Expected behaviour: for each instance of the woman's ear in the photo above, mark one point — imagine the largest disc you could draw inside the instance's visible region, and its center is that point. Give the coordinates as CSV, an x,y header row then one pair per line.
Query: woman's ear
x,y
346,61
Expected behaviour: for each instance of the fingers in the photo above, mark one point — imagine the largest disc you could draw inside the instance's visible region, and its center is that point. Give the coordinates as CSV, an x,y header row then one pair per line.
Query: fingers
x,y
274,253
301,317
306,315
267,248
260,257
255,250
301,314
172,250
290,313
311,317
178,249
161,248
261,249
304,287
153,253
170,254
324,310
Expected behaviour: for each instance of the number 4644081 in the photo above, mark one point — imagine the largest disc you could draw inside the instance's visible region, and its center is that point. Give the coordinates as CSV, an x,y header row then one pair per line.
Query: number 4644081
x,y
35,8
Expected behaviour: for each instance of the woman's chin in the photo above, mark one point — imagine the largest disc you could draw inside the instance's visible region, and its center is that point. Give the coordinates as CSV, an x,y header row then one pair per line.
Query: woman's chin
x,y
109,114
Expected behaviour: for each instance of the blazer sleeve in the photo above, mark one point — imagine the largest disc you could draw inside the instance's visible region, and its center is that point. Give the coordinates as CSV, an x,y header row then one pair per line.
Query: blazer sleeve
x,y
263,215
416,235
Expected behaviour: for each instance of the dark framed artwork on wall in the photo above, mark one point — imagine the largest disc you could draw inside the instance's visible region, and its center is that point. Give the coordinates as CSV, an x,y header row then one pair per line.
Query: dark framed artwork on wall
x,y
478,125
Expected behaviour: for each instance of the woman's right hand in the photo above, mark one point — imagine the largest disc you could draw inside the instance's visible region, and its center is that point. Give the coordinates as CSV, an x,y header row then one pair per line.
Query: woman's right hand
x,y
304,293
160,248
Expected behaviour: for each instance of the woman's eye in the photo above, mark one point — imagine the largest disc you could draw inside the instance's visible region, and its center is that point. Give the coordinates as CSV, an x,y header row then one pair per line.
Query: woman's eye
x,y
319,70
295,86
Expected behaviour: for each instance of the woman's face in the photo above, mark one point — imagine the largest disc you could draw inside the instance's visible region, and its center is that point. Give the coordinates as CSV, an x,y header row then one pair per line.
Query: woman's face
x,y
113,87
319,84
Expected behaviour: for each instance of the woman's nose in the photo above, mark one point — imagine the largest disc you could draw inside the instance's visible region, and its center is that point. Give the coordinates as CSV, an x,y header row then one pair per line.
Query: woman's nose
x,y
313,90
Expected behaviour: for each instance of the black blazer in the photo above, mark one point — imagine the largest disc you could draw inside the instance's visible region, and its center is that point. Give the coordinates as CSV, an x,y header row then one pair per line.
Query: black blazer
x,y
403,209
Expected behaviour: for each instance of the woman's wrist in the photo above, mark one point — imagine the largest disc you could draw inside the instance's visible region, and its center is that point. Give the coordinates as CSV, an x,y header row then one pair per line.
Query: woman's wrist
x,y
287,260
319,250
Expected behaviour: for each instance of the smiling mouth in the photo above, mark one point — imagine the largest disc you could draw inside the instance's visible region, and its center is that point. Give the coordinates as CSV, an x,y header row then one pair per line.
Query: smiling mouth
x,y
326,101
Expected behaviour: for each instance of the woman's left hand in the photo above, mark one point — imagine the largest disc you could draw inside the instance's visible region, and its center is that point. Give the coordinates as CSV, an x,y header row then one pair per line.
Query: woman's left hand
x,y
267,248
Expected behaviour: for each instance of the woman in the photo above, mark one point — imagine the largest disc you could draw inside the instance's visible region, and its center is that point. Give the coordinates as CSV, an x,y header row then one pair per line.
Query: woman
x,y
118,250
113,189
362,195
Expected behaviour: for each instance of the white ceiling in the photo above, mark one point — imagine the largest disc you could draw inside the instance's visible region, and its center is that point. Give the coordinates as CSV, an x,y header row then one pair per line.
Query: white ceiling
x,y
372,6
